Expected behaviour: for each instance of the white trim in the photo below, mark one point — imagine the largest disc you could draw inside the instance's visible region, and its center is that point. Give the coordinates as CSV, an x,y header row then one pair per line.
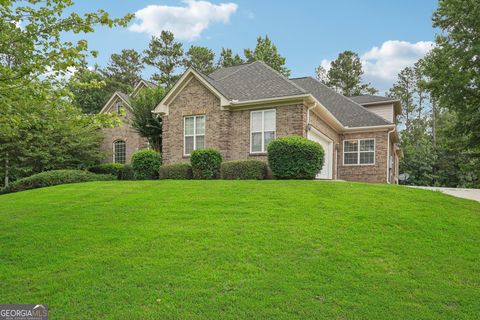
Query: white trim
x,y
329,152
162,107
262,111
138,87
107,105
194,135
235,103
358,152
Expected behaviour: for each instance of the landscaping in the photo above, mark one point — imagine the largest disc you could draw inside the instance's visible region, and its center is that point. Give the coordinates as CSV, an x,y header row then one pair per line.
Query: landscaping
x,y
240,250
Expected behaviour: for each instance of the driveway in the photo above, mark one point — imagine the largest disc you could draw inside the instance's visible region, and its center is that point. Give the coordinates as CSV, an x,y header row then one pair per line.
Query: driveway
x,y
472,194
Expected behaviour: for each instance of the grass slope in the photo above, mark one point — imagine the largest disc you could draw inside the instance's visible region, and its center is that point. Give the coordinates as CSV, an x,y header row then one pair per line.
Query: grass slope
x,y
240,249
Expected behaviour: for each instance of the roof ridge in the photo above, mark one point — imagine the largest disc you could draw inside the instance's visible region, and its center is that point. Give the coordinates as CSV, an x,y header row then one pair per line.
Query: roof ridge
x,y
282,76
242,66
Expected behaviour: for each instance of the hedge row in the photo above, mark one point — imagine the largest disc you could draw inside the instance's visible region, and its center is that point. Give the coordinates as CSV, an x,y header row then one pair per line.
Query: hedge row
x,y
53,178
291,157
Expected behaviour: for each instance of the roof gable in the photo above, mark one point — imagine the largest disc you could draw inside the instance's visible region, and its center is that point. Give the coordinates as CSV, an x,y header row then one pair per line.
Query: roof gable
x,y
142,84
117,95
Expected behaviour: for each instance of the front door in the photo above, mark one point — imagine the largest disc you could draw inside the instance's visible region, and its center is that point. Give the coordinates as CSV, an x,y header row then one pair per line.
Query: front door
x,y
327,144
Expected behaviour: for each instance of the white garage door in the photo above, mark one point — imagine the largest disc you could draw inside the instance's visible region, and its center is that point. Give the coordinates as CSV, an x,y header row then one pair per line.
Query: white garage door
x,y
327,145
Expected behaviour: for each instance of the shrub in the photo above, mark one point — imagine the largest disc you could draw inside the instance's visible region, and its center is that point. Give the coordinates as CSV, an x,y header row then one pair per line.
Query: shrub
x,y
179,171
55,177
295,157
107,168
126,173
145,164
206,163
244,170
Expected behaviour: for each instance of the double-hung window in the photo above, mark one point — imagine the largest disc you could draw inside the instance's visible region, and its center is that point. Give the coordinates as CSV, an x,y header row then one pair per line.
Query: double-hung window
x,y
262,130
359,151
193,133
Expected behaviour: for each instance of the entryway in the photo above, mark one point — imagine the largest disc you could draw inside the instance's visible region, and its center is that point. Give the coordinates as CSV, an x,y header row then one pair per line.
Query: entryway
x,y
327,144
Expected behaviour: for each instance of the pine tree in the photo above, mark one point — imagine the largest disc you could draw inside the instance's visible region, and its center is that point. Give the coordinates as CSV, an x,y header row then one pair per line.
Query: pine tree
x,y
267,52
165,54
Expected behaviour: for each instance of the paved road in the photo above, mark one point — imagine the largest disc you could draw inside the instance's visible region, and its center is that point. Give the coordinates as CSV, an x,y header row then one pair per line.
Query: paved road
x,y
472,194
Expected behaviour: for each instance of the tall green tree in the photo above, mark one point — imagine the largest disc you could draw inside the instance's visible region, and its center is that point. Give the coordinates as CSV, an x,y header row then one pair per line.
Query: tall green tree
x,y
144,122
124,68
89,90
416,136
227,59
345,75
454,65
165,54
200,58
267,52
36,118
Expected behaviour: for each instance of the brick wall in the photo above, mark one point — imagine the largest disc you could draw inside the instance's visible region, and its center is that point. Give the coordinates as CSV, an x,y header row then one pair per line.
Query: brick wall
x,y
367,173
226,131
133,141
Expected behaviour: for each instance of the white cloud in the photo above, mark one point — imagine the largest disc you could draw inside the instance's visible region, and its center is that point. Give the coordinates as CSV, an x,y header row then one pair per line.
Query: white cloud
x,y
187,23
381,65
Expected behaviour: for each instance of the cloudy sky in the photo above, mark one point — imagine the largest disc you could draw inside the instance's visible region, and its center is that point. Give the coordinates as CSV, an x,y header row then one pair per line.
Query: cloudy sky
x,y
388,35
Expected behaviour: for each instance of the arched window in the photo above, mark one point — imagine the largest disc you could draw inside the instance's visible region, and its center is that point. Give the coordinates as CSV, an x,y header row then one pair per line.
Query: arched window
x,y
119,151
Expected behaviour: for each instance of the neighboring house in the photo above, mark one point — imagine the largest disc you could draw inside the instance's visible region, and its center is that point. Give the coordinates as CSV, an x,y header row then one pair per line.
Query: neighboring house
x,y
239,110
121,142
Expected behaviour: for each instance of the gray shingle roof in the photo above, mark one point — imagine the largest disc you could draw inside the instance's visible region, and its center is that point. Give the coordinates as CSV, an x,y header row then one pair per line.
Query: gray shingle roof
x,y
252,81
256,80
368,98
349,113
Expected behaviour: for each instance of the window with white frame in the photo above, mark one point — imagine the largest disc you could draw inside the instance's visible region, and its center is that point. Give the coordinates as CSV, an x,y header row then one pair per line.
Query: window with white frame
x,y
359,151
194,134
262,129
119,151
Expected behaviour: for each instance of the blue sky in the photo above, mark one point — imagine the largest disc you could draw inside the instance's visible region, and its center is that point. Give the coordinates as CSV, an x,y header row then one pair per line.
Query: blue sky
x,y
388,35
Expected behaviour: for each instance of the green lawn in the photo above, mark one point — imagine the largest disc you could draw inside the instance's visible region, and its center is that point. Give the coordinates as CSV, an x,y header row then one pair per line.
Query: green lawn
x,y
241,250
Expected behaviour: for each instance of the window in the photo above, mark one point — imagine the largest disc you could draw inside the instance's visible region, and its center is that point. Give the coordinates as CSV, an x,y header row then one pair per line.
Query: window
x,y
359,151
119,151
194,134
262,130
118,107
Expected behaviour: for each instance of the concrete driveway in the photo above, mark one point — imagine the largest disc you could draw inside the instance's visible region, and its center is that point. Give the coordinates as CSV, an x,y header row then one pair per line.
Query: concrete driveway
x,y
472,194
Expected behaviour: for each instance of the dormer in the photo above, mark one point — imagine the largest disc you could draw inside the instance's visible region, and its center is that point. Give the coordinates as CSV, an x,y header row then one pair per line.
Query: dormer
x,y
385,107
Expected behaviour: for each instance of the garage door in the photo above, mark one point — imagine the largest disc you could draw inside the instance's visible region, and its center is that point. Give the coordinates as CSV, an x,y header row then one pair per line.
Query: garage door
x,y
327,144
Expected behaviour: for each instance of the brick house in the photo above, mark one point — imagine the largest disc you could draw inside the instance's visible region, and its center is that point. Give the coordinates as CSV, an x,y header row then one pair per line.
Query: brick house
x,y
121,142
238,110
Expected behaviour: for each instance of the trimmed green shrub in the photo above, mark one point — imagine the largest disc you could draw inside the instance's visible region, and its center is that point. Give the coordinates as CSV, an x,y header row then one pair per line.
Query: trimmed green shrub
x,y
244,170
55,177
178,171
295,157
206,164
126,173
107,168
146,164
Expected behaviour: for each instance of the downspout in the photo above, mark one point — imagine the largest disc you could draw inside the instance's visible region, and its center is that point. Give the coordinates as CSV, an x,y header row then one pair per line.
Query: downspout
x,y
308,116
388,153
